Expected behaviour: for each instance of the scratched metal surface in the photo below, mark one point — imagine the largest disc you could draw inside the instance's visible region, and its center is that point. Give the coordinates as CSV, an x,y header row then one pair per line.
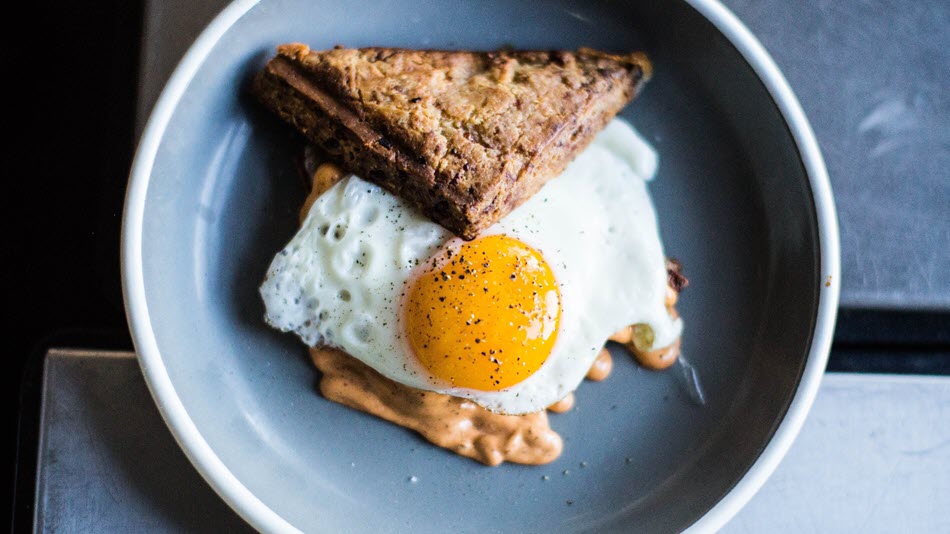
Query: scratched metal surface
x,y
106,461
872,76
874,456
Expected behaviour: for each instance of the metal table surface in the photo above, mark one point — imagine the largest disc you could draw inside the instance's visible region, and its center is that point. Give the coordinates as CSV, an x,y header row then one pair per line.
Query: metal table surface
x,y
872,76
873,456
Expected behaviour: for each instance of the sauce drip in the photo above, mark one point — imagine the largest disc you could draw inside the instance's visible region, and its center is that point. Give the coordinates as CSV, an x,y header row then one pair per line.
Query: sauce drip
x,y
563,405
601,367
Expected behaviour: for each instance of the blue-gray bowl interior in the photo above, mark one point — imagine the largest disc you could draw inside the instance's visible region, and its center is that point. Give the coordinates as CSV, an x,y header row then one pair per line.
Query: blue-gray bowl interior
x,y
734,206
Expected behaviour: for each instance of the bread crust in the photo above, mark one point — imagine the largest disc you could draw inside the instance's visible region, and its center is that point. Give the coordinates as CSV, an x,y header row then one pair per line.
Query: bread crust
x,y
464,136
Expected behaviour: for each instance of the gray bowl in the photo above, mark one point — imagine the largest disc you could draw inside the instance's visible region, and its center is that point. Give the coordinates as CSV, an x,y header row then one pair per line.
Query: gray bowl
x,y
743,200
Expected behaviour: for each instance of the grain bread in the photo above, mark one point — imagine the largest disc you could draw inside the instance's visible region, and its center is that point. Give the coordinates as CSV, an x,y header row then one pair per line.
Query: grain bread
x,y
464,136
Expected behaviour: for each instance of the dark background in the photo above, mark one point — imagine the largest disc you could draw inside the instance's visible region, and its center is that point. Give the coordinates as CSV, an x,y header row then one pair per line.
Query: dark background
x,y
71,75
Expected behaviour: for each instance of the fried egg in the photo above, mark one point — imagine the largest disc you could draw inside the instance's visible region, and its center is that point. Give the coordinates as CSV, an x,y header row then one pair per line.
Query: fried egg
x,y
513,319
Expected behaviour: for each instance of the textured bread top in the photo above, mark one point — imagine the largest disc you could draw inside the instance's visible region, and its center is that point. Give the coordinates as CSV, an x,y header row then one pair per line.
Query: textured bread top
x,y
464,136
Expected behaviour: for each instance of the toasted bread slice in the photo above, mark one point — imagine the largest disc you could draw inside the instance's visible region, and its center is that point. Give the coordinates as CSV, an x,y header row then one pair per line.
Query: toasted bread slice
x,y
464,136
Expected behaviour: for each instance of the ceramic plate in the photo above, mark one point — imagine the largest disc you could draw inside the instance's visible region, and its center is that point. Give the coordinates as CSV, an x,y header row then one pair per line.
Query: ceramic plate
x,y
743,201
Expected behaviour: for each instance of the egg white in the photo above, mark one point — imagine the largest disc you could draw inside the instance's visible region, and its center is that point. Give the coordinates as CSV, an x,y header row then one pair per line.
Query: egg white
x,y
341,279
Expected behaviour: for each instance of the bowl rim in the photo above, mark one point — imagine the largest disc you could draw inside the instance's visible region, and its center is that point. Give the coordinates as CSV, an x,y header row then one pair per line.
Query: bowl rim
x,y
262,517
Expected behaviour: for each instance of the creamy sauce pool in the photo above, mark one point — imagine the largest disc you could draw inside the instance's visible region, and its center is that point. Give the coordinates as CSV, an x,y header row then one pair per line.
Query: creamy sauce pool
x,y
453,423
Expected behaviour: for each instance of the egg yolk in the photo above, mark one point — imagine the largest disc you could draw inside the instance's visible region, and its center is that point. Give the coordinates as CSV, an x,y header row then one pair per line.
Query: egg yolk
x,y
484,315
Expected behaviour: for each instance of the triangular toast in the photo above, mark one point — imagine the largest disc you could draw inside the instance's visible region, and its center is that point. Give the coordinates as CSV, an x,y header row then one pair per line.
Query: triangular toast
x,y
464,136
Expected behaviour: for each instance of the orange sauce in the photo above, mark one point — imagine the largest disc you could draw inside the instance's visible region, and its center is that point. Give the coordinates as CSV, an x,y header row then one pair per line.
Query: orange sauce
x,y
453,423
